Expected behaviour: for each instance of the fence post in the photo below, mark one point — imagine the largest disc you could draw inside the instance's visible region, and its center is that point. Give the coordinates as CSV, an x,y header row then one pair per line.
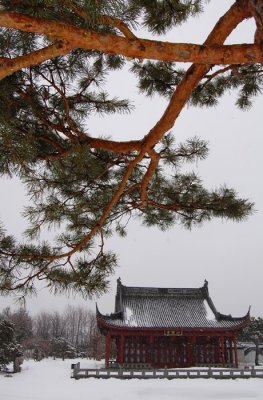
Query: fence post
x,y
75,368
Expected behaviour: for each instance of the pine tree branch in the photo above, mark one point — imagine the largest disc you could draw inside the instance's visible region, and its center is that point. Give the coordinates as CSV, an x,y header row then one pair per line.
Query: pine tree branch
x,y
155,157
118,147
93,143
51,142
67,132
25,281
256,8
218,72
104,19
79,246
107,209
10,65
143,49
120,25
226,24
194,74
132,188
212,53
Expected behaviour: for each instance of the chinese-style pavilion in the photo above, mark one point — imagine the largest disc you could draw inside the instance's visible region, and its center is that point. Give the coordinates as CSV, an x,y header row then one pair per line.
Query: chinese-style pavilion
x,y
162,327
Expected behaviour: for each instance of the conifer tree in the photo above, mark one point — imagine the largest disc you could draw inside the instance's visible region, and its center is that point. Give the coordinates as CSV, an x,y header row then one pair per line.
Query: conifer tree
x,y
253,333
10,350
55,58
61,348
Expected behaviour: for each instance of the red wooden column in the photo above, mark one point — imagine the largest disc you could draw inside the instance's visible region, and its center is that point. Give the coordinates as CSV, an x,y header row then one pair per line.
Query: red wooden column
x,y
222,340
206,353
121,350
117,349
217,350
189,352
159,350
107,349
210,362
235,351
193,344
231,350
150,349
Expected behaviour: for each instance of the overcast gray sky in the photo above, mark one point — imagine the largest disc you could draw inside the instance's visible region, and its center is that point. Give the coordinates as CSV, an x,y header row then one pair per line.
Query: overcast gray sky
x,y
229,255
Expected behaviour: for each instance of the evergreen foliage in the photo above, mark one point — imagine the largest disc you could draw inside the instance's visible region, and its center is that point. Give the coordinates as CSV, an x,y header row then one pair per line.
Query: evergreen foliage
x,y
162,78
253,333
61,348
87,188
9,348
22,322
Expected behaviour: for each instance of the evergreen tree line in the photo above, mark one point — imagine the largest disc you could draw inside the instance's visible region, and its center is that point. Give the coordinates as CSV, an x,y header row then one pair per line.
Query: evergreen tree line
x,y
68,334
253,333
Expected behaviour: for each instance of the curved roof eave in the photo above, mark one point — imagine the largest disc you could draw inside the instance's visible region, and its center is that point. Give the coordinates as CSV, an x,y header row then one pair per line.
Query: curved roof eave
x,y
106,324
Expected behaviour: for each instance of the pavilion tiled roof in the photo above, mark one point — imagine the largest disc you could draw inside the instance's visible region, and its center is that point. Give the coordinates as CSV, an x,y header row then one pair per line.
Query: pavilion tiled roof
x,y
167,308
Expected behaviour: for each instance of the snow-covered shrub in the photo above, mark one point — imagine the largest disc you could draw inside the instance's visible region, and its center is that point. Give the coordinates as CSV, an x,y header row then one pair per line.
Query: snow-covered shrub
x,y
10,350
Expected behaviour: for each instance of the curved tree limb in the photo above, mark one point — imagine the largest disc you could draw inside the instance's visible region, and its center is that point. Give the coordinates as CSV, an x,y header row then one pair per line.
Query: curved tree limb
x,y
10,65
104,19
256,7
226,24
183,91
212,53
155,157
220,32
120,25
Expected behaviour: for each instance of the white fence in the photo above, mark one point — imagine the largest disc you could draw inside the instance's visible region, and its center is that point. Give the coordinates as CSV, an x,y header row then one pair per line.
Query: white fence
x,y
216,373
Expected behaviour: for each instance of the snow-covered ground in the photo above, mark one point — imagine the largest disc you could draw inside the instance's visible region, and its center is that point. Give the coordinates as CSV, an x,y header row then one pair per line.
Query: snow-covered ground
x,y
50,380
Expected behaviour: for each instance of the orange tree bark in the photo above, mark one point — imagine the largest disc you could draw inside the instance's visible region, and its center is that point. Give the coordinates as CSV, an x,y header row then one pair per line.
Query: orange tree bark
x,y
10,65
211,52
214,53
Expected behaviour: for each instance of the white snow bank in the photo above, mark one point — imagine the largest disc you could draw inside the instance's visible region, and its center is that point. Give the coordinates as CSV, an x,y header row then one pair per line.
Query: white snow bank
x,y
50,380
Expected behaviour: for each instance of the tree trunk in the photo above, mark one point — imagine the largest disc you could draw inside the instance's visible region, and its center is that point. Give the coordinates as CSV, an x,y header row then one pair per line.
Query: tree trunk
x,y
257,354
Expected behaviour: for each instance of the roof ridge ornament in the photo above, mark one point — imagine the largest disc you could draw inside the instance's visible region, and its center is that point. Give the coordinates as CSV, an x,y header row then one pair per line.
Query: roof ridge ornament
x,y
204,289
206,285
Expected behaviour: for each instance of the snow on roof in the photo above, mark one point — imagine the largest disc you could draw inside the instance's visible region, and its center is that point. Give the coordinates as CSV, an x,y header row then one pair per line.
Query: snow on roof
x,y
209,313
165,308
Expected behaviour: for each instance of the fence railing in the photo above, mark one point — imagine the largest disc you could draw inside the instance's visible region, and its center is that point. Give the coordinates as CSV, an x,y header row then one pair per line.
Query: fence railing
x,y
192,373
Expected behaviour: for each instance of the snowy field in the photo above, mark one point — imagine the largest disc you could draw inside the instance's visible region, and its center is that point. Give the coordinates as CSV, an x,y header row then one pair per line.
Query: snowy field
x,y
50,380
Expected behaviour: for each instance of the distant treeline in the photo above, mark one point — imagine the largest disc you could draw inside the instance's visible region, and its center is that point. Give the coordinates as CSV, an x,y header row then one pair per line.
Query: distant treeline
x,y
68,334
